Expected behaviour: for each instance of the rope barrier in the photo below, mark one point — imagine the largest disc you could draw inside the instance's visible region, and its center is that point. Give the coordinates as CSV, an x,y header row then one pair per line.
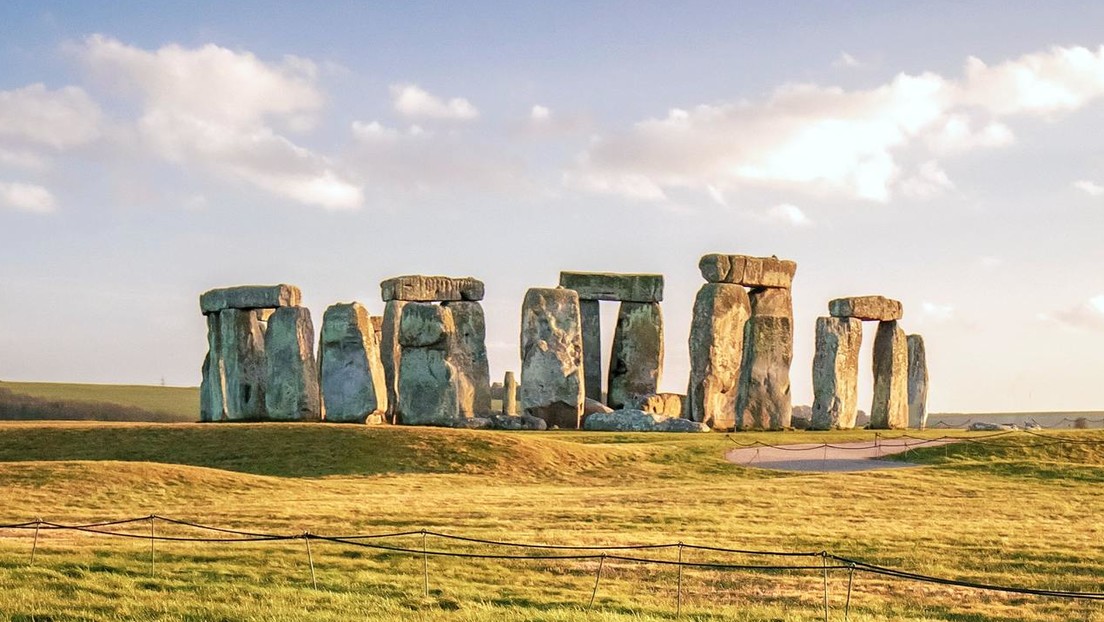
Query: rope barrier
x,y
879,441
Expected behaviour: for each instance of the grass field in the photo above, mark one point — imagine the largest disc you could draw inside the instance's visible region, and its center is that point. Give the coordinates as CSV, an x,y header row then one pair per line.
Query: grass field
x,y
155,403
1026,516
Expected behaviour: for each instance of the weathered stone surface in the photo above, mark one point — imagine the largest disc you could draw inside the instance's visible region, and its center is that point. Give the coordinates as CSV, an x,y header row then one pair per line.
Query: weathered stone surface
x,y
594,406
917,383
514,422
242,344
763,401
391,352
716,353
377,327
747,271
612,286
836,373
552,357
468,355
631,420
418,288
426,325
636,360
590,312
870,308
427,388
352,379
212,390
509,394
249,297
666,404
890,408
291,389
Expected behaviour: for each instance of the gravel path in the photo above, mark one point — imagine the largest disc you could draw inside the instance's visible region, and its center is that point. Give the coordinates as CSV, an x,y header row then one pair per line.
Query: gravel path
x,y
836,457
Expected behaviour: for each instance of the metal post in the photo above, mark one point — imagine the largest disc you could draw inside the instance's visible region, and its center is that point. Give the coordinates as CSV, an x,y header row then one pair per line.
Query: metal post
x,y
425,566
34,545
153,555
847,606
310,558
678,600
824,558
597,577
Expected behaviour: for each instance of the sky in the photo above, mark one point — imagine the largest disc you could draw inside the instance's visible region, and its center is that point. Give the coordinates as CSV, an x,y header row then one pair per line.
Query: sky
x,y
944,154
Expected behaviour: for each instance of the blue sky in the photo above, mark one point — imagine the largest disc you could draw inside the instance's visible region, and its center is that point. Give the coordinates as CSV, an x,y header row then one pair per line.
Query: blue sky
x,y
944,154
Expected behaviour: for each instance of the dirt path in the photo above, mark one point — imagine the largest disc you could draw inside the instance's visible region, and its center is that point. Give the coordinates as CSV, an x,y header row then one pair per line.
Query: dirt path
x,y
833,457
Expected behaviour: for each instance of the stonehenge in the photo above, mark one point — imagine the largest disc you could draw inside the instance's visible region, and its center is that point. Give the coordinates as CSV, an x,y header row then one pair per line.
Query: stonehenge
x,y
636,359
835,365
741,343
424,360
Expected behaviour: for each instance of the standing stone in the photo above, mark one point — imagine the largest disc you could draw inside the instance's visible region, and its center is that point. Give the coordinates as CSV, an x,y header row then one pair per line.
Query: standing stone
x,y
468,354
391,353
763,400
836,373
590,312
291,391
352,379
509,394
890,408
427,380
716,352
242,345
212,390
552,386
917,383
636,361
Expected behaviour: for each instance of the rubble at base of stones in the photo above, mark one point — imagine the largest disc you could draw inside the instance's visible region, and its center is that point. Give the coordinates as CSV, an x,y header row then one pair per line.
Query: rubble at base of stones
x,y
632,420
502,422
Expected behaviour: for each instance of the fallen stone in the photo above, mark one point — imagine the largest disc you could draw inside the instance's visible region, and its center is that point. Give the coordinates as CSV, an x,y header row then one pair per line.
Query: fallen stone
x,y
468,355
612,286
509,395
242,345
748,271
249,297
666,404
631,420
212,389
982,426
594,406
391,352
716,353
474,423
291,390
352,379
917,383
890,408
763,400
513,422
636,359
418,288
552,385
870,308
836,373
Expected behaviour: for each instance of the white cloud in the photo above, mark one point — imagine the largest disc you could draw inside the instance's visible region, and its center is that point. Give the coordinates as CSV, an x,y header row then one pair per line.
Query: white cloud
x,y
539,113
35,115
830,140
413,101
846,60
1090,188
1088,315
26,197
937,312
789,214
218,109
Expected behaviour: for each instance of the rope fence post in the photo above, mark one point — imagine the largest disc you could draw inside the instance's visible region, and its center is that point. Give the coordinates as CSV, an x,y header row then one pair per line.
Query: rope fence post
x,y
153,553
597,578
310,558
34,545
425,566
824,560
877,444
850,580
678,592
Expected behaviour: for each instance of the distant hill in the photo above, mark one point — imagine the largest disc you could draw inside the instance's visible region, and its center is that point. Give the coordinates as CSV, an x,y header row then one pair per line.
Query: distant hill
x,y
27,401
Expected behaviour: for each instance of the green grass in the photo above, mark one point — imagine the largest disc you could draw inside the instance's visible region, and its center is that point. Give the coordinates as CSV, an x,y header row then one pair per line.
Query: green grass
x,y
1024,515
163,403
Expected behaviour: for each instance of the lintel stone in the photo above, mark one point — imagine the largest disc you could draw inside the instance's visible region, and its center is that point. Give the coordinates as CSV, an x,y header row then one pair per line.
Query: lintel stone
x,y
748,271
250,297
613,286
419,288
868,308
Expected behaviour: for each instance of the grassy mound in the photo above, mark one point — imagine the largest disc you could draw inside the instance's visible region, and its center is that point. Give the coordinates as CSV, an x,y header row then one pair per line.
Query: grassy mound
x,y
98,402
